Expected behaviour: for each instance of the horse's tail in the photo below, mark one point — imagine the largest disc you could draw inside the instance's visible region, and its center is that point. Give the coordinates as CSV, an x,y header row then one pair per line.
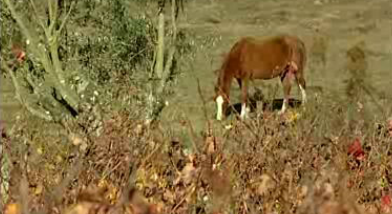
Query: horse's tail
x,y
300,49
303,55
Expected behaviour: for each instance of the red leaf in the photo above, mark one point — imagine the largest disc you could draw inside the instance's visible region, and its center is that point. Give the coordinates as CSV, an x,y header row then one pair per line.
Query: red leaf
x,y
386,200
386,203
18,52
355,149
21,56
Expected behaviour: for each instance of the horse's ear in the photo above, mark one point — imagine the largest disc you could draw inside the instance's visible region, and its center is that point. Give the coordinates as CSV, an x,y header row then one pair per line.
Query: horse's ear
x,y
213,98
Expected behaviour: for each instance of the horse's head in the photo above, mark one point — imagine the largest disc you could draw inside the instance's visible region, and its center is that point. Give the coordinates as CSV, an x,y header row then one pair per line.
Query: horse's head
x,y
222,90
222,100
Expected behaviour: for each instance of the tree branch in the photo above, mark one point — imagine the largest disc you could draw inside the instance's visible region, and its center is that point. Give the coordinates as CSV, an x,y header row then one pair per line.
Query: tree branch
x,y
49,58
27,33
37,16
53,9
65,20
33,111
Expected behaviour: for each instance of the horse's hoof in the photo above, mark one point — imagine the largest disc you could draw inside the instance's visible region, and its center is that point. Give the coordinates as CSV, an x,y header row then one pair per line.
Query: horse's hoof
x,y
244,117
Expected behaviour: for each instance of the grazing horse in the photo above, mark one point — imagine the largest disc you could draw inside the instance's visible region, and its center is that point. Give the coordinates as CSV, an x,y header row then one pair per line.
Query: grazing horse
x,y
281,56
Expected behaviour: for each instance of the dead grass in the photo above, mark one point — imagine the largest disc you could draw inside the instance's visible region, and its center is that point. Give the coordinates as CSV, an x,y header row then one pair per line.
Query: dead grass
x,y
308,162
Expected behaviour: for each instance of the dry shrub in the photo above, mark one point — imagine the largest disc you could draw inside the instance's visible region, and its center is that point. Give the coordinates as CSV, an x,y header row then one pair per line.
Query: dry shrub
x,y
303,162
357,66
319,48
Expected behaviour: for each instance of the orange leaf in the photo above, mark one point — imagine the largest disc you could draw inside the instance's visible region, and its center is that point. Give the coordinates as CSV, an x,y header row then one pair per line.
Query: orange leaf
x,y
12,209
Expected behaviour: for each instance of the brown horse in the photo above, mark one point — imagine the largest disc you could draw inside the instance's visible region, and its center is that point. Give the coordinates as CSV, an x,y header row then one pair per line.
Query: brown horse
x,y
281,56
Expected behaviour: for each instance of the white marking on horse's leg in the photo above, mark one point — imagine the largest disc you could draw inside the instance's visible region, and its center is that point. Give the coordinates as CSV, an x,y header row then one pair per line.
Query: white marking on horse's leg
x,y
284,106
304,100
244,111
219,104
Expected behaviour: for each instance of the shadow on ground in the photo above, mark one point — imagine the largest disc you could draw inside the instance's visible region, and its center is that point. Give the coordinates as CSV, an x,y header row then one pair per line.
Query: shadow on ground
x,y
270,105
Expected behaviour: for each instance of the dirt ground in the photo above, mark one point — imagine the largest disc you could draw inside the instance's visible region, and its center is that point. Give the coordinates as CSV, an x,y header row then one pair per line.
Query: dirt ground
x,y
328,27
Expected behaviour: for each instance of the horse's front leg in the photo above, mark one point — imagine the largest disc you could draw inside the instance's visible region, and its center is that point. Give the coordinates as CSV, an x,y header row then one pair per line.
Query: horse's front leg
x,y
244,97
287,82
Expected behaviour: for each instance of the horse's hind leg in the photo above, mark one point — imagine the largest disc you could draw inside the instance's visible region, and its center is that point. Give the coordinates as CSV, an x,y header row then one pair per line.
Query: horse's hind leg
x,y
302,87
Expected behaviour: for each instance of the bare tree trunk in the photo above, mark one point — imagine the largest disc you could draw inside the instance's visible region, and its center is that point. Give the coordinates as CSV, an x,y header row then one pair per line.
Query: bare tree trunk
x,y
169,63
161,45
152,100
162,71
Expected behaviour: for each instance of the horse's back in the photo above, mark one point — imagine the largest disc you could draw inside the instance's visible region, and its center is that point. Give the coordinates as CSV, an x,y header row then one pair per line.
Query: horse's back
x,y
262,58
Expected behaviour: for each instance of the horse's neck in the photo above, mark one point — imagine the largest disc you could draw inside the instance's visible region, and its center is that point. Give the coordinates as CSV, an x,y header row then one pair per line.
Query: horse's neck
x,y
226,75
225,83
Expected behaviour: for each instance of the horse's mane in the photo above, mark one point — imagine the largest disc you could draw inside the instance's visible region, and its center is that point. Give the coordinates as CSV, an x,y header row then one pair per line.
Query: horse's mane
x,y
226,60
223,56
